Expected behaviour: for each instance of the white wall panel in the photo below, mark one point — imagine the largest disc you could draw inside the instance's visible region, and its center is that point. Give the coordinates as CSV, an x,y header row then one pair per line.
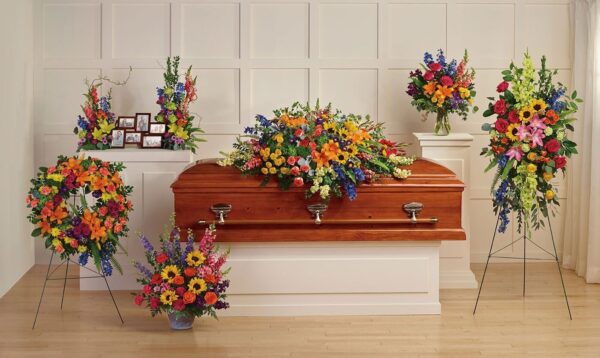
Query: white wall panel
x,y
348,30
350,90
139,95
61,107
210,30
486,30
279,30
406,19
71,31
218,97
141,30
291,85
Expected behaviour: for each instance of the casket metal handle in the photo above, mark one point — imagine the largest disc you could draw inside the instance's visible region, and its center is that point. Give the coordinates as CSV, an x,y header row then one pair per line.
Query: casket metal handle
x,y
221,210
317,210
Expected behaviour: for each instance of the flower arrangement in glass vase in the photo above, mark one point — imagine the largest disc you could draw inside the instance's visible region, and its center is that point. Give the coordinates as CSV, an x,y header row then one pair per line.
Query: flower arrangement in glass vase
x,y
94,128
330,152
442,87
183,280
174,100
69,227
528,141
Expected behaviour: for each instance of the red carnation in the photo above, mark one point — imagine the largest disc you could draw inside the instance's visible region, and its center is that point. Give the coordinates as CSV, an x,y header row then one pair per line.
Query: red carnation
x,y
156,279
501,125
552,146
138,300
154,303
434,66
513,117
560,162
179,305
500,107
161,258
428,76
147,289
180,291
503,86
446,81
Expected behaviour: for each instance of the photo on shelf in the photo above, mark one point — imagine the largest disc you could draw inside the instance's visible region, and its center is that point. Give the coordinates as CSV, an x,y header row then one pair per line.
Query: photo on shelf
x,y
142,122
133,137
118,138
151,141
126,122
158,128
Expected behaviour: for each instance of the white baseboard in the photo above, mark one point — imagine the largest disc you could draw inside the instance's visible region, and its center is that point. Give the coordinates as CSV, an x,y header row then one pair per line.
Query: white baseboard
x,y
457,279
332,309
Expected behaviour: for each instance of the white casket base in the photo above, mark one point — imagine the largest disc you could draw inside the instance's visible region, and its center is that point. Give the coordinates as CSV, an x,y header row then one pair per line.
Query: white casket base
x,y
333,278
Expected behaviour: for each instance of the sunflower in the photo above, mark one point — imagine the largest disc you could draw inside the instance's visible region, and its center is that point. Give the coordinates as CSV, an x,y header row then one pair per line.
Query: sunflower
x,y
511,132
538,105
352,150
197,285
342,157
168,297
330,126
526,113
195,258
169,273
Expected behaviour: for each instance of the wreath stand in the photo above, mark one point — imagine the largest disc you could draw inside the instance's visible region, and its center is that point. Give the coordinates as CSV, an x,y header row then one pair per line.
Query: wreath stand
x,y
524,258
49,278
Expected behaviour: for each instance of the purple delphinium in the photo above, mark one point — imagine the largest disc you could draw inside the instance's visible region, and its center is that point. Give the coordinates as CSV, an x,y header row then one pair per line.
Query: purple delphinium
x,y
146,244
143,269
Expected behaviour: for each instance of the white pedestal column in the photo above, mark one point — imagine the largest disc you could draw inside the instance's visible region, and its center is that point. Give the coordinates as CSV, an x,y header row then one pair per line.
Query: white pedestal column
x,y
150,172
454,152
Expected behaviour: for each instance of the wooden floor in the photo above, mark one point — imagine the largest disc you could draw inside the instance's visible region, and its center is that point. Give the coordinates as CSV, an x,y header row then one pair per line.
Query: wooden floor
x,y
506,325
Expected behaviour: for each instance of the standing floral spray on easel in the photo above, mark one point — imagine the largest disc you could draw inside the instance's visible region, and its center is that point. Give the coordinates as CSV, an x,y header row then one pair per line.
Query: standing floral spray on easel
x,y
528,141
442,87
174,100
95,129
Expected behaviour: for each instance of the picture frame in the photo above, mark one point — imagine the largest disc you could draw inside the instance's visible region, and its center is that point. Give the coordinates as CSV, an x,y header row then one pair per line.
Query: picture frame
x,y
157,128
126,122
142,122
151,141
118,138
133,138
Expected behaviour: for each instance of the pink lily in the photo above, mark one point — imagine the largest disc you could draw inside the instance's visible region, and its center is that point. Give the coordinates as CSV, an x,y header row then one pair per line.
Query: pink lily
x,y
536,123
523,133
515,153
536,138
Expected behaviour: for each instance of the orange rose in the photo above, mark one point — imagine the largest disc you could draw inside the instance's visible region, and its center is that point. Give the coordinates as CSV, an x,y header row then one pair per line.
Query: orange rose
x,y
178,280
189,297
210,298
189,271
210,278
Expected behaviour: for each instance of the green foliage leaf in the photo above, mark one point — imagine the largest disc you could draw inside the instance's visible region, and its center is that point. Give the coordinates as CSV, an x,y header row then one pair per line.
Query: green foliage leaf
x,y
36,232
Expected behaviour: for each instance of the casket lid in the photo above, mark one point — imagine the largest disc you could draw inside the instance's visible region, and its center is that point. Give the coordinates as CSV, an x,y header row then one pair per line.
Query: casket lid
x,y
207,174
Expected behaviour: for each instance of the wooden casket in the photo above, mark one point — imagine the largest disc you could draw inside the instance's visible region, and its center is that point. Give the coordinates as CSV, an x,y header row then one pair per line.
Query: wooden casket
x,y
378,254
426,206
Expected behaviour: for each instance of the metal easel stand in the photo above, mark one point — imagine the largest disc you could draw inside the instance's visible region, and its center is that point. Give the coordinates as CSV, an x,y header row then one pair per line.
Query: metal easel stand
x,y
524,258
49,278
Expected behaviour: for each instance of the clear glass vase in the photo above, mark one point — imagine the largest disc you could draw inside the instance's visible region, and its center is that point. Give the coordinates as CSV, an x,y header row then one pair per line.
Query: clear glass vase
x,y
181,321
442,124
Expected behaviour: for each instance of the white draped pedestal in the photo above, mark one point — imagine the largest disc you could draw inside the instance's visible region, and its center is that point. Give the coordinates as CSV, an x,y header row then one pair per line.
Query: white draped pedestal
x,y
150,172
453,151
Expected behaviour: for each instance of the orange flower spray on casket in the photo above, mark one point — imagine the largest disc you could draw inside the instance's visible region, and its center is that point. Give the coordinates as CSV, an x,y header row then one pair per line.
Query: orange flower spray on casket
x,y
183,279
331,152
528,141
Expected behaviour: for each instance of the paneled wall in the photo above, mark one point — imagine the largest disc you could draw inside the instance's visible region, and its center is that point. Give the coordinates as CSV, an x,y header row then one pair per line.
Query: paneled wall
x,y
253,56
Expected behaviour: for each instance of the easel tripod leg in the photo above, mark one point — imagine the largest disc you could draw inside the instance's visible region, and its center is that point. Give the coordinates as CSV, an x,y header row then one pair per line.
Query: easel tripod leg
x,y
560,271
487,263
524,254
43,290
113,298
64,285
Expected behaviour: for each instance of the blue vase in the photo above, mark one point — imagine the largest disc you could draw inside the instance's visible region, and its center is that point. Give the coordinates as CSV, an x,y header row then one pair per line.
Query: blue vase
x,y
180,321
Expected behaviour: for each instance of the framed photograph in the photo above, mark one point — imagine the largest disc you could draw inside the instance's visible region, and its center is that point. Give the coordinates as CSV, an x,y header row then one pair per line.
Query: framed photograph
x,y
118,138
158,128
126,122
151,141
142,122
133,138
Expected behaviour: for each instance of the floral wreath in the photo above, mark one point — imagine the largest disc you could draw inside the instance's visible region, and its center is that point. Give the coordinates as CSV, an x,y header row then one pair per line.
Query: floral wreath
x,y
71,228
